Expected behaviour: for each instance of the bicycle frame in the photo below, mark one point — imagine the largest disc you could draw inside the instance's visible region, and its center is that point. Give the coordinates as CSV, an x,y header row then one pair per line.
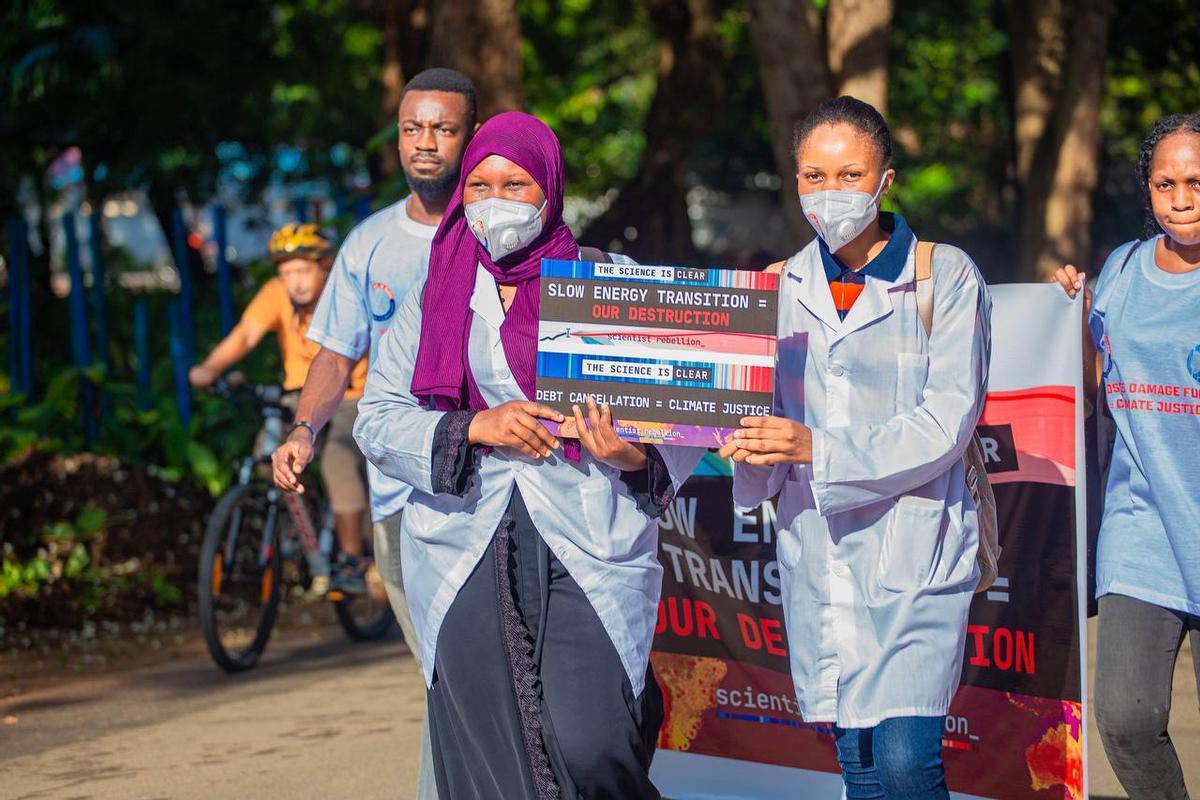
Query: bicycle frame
x,y
310,540
318,558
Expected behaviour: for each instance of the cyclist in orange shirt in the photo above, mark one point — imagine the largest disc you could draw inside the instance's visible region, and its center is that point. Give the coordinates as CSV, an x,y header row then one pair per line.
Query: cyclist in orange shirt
x,y
284,306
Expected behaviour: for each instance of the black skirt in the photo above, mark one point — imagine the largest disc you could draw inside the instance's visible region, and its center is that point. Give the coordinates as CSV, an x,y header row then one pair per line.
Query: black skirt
x,y
529,697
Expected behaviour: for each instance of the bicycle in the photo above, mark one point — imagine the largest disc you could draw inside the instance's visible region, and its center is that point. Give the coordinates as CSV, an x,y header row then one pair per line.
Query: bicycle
x,y
260,539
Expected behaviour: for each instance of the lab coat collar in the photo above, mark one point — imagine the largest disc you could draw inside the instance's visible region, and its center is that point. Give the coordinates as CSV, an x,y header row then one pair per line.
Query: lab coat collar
x,y
485,299
878,299
812,290
880,296
875,303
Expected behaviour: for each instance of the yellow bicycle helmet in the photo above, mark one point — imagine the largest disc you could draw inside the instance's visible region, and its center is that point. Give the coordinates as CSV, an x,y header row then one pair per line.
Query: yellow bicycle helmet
x,y
299,240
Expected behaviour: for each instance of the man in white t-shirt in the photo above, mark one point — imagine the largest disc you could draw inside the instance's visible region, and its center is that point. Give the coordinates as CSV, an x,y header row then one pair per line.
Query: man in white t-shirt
x,y
380,261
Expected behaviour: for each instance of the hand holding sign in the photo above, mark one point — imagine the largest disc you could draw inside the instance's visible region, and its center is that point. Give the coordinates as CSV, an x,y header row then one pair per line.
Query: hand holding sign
x,y
515,424
770,440
601,440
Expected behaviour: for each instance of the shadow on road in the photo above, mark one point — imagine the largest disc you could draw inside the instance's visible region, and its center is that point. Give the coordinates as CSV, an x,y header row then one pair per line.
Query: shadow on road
x,y
89,705
42,704
285,659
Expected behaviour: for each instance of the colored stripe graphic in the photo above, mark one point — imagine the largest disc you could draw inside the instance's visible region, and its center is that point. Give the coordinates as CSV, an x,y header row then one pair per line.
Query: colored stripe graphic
x,y
728,278
634,342
1028,435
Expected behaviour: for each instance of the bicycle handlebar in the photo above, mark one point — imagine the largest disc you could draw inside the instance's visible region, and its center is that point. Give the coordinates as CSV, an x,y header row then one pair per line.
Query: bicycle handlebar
x,y
263,393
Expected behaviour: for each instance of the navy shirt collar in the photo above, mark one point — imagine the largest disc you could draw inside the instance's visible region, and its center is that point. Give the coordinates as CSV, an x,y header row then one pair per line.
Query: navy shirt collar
x,y
886,266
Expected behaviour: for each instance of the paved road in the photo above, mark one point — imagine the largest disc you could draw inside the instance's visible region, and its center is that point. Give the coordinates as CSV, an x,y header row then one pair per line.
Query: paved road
x,y
320,717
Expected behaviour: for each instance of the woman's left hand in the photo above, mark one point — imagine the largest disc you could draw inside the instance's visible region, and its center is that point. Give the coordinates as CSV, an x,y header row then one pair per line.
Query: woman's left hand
x,y
770,440
600,439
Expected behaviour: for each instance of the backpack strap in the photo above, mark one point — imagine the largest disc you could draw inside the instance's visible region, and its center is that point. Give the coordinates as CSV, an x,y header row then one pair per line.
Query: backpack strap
x,y
924,282
1129,255
594,255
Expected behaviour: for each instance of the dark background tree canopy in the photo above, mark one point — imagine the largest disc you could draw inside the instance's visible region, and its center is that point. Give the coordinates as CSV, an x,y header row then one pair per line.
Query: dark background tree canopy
x,y
1016,122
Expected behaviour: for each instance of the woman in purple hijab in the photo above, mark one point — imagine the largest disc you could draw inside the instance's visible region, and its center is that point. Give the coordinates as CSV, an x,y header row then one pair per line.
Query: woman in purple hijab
x,y
530,561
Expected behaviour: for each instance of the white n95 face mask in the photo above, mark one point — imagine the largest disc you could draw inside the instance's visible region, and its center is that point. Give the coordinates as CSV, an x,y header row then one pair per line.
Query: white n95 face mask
x,y
504,226
840,215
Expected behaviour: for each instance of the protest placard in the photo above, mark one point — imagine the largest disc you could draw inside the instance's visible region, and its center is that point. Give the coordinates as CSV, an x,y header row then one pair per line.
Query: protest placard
x,y
679,354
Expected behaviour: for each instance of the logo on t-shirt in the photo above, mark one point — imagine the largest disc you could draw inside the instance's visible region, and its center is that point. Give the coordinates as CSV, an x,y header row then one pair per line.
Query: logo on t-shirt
x,y
383,302
1193,363
1108,356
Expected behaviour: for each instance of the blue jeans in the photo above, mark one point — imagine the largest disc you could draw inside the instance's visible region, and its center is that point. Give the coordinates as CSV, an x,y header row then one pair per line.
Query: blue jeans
x,y
898,759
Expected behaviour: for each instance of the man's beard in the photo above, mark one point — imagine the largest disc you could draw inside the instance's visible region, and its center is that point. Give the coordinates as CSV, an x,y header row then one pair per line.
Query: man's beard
x,y
436,190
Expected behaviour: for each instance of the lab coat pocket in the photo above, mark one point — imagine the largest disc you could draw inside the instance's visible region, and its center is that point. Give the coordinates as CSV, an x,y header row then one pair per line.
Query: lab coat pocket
x,y
912,544
912,369
789,548
613,521
794,499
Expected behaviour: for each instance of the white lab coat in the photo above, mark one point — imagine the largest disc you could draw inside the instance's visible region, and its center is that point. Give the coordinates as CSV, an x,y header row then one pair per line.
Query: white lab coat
x,y
877,558
583,511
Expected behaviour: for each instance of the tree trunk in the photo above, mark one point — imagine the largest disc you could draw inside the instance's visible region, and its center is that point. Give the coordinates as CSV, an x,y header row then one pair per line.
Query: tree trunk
x,y
1056,216
795,79
415,33
481,39
858,49
392,16
653,205
1038,48
404,24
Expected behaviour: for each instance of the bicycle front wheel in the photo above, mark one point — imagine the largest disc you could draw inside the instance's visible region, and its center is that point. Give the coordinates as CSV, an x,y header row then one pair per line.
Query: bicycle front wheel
x,y
239,576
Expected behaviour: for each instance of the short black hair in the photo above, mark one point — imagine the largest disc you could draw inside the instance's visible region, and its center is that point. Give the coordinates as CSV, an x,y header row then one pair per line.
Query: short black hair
x,y
441,79
1172,123
846,110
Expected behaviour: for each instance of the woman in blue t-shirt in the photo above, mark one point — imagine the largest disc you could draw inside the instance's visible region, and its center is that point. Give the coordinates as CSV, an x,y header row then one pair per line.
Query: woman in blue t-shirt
x,y
1145,347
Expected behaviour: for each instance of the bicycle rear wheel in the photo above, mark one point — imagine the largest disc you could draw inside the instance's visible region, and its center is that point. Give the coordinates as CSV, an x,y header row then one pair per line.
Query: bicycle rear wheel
x,y
239,576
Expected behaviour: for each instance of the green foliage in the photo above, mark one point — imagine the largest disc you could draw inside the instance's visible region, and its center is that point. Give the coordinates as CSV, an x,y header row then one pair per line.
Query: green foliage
x,y
307,75
590,74
1153,69
25,578
121,80
325,73
70,572
149,90
61,555
951,125
164,591
95,539
1149,73
205,453
43,424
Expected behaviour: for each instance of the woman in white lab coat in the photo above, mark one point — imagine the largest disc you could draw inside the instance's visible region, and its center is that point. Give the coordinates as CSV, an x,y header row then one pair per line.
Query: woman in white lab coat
x,y
530,562
878,558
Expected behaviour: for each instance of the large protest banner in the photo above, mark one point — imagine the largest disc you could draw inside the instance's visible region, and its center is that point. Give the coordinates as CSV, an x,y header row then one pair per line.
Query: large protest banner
x,y
1016,728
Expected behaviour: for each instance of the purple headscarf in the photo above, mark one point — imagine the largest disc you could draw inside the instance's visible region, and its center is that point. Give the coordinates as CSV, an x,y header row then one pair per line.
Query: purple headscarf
x,y
441,372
